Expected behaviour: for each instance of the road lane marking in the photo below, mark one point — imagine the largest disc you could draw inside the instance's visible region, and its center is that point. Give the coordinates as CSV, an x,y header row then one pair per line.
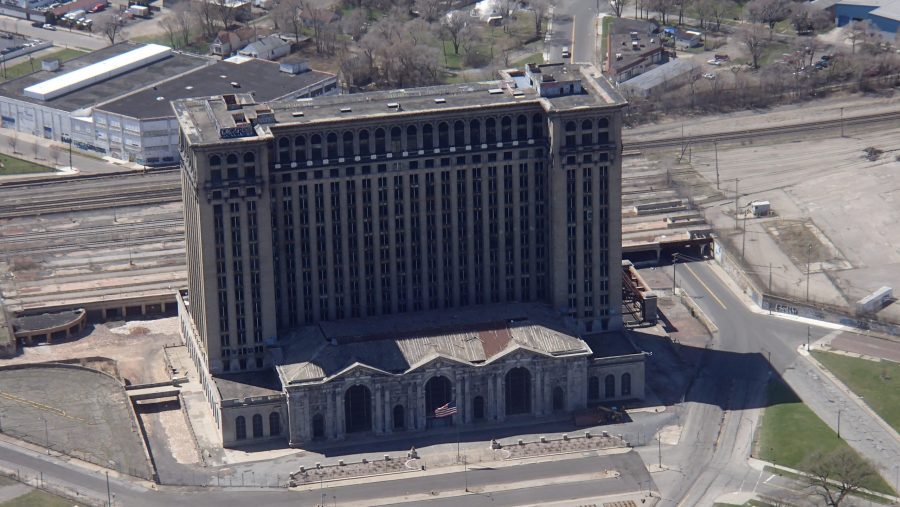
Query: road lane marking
x,y
711,293
769,479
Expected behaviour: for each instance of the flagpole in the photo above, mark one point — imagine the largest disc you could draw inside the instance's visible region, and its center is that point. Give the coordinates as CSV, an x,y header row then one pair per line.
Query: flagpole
x,y
457,442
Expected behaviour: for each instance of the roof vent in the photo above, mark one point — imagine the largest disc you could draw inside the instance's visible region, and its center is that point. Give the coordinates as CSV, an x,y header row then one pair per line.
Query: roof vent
x,y
297,114
440,101
235,84
223,76
495,91
346,110
160,99
188,87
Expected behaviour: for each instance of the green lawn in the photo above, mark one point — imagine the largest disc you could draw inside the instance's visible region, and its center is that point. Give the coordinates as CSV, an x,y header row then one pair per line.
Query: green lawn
x,y
607,23
791,431
773,51
878,383
532,58
38,498
26,68
12,165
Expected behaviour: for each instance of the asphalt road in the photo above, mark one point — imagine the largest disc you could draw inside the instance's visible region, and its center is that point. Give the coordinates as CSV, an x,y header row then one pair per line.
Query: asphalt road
x,y
552,474
574,26
60,37
729,390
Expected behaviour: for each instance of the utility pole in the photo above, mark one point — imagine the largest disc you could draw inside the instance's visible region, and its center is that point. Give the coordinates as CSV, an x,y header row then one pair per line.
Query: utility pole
x,y
744,237
807,338
659,448
736,181
839,423
674,261
108,494
808,255
842,122
716,147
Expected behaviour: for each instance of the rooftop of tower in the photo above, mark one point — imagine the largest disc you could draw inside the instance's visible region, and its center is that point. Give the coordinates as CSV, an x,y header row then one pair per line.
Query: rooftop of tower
x,y
553,87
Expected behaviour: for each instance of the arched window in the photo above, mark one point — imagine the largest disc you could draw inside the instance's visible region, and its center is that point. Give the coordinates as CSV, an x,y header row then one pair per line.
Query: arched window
x,y
478,408
518,391
570,134
593,388
216,160
427,136
475,132
348,144
249,157
396,139
240,428
521,127
559,399
284,150
231,159
412,138
570,126
364,142
257,426
609,386
300,148
379,140
357,409
274,424
603,123
626,384
459,133
443,135
506,128
316,146
537,126
587,132
332,145
490,130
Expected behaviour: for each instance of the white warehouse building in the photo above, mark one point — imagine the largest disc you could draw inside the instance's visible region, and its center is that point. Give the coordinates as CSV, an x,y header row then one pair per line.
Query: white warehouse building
x,y
116,102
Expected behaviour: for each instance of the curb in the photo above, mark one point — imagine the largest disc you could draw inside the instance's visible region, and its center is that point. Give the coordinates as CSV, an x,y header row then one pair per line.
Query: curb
x,y
893,499
697,312
853,396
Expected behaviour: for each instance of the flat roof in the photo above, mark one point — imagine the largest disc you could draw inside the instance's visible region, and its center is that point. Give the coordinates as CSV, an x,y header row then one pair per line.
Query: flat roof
x,y
659,75
258,77
96,72
202,118
107,89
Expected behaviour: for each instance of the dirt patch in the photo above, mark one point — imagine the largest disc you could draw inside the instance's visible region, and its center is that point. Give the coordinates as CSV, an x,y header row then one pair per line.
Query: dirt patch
x,y
797,239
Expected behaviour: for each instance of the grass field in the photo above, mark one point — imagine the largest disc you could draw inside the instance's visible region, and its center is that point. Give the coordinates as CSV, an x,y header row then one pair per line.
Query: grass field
x,y
791,432
26,67
38,498
878,383
12,165
532,58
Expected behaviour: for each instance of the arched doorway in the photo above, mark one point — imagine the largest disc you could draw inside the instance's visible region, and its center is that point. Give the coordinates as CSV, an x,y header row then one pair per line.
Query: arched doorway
x,y
610,386
593,388
274,424
240,428
438,392
518,391
559,399
318,426
357,409
399,417
478,408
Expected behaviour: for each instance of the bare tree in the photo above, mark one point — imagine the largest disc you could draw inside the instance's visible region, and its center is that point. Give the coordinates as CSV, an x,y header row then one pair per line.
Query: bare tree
x,y
225,11
288,11
204,11
454,26
429,10
835,475
540,8
184,22
618,7
354,24
863,34
753,37
13,142
109,25
719,9
663,7
806,17
768,12
170,27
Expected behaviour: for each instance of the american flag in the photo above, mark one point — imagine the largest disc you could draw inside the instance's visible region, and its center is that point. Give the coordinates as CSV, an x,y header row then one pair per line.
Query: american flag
x,y
445,410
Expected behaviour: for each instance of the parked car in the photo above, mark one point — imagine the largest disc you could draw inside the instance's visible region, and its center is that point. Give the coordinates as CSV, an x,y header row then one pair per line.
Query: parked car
x,y
97,7
565,52
714,62
48,26
37,24
709,75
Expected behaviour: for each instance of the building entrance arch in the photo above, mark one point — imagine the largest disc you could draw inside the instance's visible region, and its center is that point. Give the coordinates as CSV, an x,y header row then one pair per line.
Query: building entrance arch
x,y
438,392
357,409
518,391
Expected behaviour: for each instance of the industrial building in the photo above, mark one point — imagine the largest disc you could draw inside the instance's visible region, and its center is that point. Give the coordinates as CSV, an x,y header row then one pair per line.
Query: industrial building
x,y
389,252
633,47
116,102
883,14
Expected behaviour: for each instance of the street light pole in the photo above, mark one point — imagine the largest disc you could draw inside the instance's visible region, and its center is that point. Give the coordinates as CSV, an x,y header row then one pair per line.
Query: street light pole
x,y
808,256
716,147
736,181
839,423
842,122
659,448
108,494
807,338
46,435
674,261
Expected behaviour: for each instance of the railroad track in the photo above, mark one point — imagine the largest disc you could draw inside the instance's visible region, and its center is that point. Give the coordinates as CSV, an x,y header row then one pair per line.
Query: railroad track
x,y
127,228
55,180
111,243
760,132
122,198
